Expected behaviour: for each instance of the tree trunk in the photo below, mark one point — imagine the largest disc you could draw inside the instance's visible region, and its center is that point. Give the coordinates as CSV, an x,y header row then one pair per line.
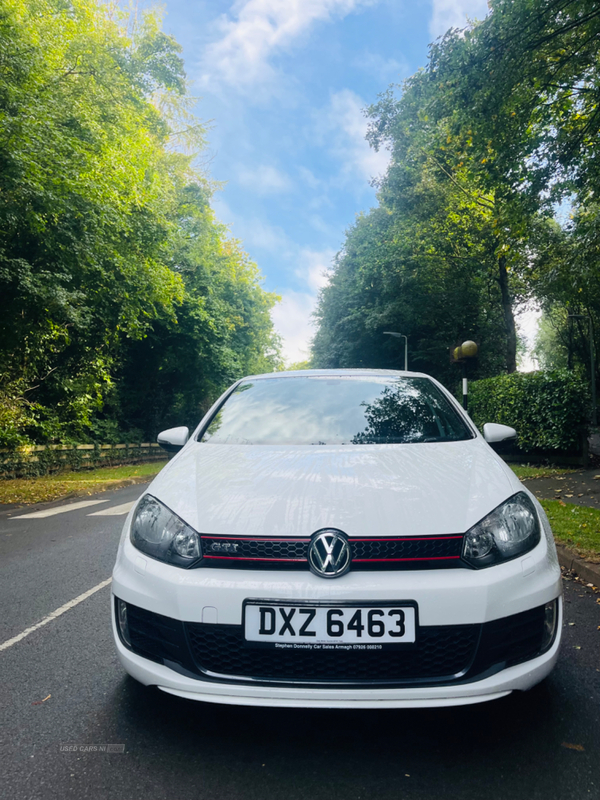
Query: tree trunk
x,y
509,319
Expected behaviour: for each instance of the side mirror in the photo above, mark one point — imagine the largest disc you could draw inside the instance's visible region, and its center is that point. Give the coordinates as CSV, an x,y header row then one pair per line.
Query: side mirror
x,y
494,433
173,439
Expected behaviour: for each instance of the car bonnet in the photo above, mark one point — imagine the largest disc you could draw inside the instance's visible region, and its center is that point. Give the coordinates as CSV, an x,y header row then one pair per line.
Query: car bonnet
x,y
382,490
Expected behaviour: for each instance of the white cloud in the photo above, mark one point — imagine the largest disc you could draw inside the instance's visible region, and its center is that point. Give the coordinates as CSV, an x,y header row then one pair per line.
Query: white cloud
x,y
384,69
315,266
264,179
454,13
292,317
253,231
255,30
292,321
343,127
310,178
318,223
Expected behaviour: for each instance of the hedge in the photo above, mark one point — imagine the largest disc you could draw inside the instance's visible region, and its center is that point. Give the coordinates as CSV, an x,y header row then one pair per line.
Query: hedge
x,y
549,409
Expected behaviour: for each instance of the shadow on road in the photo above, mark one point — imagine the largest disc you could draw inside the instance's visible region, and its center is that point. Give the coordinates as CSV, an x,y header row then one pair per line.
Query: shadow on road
x,y
500,749
509,721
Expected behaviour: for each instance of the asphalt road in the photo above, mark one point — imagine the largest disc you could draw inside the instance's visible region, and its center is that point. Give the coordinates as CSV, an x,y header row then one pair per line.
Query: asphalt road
x,y
62,686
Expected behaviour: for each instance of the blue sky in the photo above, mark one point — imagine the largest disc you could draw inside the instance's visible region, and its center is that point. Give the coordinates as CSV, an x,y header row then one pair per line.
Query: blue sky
x,y
284,83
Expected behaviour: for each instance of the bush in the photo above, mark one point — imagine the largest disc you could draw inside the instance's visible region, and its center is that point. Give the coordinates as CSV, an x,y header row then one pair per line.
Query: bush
x,y
549,409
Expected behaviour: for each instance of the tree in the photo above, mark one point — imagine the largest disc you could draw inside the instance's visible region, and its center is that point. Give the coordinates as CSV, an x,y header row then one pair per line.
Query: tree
x,y
425,263
425,132
504,122
221,330
551,350
418,268
91,183
524,85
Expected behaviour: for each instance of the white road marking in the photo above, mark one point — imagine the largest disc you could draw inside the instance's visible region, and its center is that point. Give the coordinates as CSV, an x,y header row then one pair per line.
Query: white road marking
x,y
50,512
67,606
114,511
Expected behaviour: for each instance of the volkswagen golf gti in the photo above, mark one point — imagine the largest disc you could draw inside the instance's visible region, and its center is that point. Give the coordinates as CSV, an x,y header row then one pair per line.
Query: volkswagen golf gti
x,y
337,538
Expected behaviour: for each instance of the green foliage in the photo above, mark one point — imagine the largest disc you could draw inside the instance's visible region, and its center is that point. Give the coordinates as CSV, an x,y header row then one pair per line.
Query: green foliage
x,y
552,340
576,526
520,93
416,265
500,126
549,410
526,80
567,275
525,471
97,247
442,258
221,331
298,365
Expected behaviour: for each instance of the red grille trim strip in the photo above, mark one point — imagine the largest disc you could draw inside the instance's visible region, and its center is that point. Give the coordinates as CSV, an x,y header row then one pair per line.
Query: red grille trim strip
x,y
423,558
252,558
219,537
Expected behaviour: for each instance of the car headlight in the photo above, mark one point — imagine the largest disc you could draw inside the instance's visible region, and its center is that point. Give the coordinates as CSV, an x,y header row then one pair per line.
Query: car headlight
x,y
158,532
509,531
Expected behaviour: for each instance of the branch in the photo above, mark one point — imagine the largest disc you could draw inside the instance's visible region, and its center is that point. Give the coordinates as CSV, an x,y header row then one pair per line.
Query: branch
x,y
37,386
479,200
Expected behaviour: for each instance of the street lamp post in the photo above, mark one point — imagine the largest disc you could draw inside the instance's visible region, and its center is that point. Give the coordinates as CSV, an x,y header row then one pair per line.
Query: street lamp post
x,y
460,355
400,336
592,362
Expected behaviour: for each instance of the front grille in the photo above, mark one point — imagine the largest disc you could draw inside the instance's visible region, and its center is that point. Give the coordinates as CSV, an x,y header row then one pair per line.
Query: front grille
x,y
442,654
254,549
410,549
422,552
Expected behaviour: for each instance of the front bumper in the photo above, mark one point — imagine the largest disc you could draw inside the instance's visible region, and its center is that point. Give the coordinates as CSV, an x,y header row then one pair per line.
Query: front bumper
x,y
520,677
445,598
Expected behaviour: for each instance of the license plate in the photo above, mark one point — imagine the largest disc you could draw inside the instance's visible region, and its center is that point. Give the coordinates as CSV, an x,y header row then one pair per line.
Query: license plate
x,y
316,627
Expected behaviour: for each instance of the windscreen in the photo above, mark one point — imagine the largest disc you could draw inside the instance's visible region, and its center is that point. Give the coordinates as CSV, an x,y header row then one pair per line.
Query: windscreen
x,y
320,410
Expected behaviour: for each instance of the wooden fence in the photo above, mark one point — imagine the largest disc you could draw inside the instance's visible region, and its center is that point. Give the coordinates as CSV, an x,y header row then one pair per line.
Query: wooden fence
x,y
46,459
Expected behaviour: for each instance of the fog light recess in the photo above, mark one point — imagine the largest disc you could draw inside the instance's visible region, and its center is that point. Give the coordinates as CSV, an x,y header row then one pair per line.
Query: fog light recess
x,y
122,621
550,623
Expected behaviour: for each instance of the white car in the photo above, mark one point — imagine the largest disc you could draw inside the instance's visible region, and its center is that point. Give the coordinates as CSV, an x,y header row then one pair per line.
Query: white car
x,y
337,538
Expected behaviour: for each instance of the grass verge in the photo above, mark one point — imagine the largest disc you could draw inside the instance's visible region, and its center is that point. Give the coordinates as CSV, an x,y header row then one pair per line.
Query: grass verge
x,y
524,471
576,526
53,487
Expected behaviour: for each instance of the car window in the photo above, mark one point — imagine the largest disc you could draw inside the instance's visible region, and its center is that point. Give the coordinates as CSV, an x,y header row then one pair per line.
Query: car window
x,y
321,410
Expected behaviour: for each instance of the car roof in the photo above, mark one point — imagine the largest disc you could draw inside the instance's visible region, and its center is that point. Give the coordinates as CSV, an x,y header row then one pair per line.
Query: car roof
x,y
372,373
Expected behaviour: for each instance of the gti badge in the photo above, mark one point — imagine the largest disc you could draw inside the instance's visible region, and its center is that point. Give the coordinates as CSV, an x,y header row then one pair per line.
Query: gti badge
x,y
224,547
329,554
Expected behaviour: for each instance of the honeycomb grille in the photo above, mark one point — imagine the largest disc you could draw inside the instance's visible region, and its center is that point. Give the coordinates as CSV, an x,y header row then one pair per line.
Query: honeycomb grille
x,y
154,636
441,653
417,549
224,548
373,553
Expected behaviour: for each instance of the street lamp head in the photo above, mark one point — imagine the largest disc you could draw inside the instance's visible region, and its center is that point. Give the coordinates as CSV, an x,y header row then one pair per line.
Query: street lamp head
x,y
468,349
393,333
464,351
